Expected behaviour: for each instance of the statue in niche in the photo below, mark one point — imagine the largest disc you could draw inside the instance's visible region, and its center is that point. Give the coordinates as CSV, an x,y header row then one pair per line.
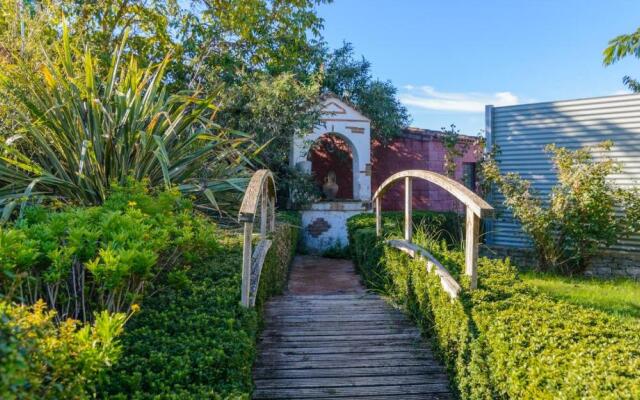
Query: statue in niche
x,y
330,187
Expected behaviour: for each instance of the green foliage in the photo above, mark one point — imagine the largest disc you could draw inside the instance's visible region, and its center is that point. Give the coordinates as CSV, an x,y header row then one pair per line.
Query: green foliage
x,y
82,130
505,339
445,224
453,149
337,251
193,339
580,216
621,47
351,79
99,258
41,359
366,250
274,110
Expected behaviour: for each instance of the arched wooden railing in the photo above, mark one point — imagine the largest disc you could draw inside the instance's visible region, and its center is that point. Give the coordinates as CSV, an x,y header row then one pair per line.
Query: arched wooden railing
x,y
262,189
476,208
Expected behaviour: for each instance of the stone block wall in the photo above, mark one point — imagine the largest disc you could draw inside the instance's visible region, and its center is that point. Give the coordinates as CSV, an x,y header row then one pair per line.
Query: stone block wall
x,y
609,264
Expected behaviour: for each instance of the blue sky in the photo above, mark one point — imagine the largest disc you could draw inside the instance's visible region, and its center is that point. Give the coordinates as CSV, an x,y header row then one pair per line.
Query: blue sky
x,y
449,58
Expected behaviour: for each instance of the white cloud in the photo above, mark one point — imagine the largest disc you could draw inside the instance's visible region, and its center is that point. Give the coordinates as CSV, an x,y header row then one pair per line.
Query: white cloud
x,y
428,98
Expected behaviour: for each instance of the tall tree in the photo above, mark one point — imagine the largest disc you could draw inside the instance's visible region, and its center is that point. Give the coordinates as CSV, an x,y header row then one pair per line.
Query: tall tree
x,y
621,47
350,78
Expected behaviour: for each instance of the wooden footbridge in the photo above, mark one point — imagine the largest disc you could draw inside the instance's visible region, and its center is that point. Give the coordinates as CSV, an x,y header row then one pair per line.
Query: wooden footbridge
x,y
327,338
322,343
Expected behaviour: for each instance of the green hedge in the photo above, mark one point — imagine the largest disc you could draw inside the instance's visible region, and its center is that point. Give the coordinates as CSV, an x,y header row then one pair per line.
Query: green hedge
x,y
193,340
505,339
366,250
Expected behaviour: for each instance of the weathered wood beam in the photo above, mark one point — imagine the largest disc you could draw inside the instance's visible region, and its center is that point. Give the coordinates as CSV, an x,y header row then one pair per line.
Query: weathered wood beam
x,y
246,264
472,240
408,203
479,207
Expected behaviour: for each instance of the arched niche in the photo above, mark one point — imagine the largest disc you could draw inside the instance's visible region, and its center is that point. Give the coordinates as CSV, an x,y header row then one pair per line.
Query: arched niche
x,y
334,152
344,121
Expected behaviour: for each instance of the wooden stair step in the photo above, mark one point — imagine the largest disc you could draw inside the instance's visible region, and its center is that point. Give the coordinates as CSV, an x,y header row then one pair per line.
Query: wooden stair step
x,y
352,391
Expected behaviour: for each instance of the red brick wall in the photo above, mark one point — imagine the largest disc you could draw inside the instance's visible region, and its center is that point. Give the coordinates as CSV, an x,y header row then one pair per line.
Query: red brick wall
x,y
417,151
414,149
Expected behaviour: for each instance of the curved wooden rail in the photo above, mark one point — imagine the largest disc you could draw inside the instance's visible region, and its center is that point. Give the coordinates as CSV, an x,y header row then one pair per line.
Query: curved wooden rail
x,y
261,188
476,208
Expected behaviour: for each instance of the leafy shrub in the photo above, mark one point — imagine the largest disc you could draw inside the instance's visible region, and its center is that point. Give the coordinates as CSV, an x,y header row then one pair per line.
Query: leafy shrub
x,y
446,225
84,128
41,359
194,340
366,249
98,258
581,214
505,339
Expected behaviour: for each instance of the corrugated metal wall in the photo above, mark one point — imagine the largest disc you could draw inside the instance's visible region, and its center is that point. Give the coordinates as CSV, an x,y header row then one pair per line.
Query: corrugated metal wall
x,y
522,131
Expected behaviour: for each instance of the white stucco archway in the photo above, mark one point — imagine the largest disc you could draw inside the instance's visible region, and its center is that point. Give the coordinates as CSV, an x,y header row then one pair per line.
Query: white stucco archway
x,y
344,121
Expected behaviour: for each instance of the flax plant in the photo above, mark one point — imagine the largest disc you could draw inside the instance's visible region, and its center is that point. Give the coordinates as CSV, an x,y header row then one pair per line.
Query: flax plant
x,y
81,129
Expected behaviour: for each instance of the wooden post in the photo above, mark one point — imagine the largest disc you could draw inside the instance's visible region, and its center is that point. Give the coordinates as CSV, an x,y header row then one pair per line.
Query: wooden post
x,y
378,216
246,264
408,198
264,211
272,213
471,247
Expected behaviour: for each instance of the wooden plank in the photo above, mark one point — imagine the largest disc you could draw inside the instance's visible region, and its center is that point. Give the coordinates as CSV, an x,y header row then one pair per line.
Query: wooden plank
x,y
423,396
374,306
329,344
339,318
332,303
351,392
285,356
339,338
349,363
299,383
341,371
269,312
346,296
345,349
336,326
344,332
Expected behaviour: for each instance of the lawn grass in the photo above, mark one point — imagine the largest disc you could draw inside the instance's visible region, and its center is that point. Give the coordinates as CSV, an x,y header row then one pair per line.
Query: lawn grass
x,y
619,297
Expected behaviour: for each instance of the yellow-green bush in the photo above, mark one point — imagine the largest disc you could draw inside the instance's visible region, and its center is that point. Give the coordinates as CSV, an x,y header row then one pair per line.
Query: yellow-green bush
x,y
40,359
86,259
505,339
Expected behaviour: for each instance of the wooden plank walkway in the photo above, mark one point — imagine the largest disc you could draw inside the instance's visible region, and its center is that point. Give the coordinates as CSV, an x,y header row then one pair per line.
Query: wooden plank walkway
x,y
346,343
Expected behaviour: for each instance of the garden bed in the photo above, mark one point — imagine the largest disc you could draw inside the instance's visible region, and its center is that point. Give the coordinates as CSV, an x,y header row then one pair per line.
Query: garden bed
x,y
506,339
136,298
194,340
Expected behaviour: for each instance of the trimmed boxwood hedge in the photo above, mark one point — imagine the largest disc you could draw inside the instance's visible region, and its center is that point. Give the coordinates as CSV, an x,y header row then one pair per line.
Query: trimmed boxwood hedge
x,y
192,339
505,339
365,249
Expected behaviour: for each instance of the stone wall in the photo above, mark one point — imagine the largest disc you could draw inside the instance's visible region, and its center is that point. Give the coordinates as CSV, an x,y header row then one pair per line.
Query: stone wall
x,y
609,264
324,224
